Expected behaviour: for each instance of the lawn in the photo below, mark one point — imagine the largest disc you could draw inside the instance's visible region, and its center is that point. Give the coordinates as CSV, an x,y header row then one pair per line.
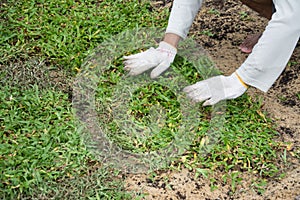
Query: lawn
x,y
42,152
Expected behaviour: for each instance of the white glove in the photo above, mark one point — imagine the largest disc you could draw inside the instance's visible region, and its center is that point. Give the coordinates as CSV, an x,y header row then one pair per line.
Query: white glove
x,y
160,59
216,89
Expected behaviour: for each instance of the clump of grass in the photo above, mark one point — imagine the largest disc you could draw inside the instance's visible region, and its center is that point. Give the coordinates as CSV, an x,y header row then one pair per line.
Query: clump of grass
x,y
63,32
40,140
246,138
140,108
96,183
40,143
141,104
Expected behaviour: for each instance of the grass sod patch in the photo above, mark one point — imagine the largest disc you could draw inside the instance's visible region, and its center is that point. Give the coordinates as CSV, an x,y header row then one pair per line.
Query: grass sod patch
x,y
246,142
41,146
63,31
95,184
141,103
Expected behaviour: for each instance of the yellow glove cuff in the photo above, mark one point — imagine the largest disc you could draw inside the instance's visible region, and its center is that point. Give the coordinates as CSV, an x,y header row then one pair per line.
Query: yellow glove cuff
x,y
242,82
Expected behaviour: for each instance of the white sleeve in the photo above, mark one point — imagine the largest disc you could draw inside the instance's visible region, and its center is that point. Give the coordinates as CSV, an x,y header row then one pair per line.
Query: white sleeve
x,y
182,16
275,47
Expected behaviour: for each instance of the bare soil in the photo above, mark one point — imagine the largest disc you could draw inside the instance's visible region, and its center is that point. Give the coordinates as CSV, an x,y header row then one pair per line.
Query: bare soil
x,y
225,31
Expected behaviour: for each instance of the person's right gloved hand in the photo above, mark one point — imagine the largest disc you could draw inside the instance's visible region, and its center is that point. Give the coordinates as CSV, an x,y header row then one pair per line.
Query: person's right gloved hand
x,y
216,88
160,59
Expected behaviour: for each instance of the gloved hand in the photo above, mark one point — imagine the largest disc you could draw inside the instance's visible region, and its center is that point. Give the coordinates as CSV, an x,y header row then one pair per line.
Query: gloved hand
x,y
160,59
216,89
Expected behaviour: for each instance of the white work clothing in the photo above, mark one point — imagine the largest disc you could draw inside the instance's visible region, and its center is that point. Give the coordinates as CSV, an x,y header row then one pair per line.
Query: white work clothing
x,y
182,16
273,50
275,47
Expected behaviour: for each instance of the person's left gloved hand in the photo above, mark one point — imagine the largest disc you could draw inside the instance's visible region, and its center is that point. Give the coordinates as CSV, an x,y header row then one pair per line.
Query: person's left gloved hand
x,y
216,89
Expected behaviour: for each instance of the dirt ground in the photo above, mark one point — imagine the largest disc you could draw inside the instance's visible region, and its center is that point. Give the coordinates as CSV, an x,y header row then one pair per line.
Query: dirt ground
x,y
229,28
